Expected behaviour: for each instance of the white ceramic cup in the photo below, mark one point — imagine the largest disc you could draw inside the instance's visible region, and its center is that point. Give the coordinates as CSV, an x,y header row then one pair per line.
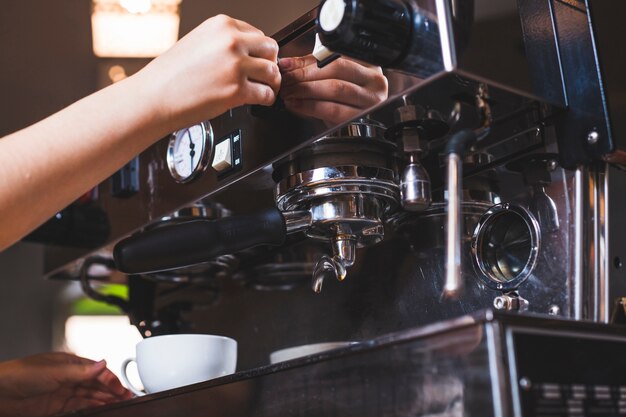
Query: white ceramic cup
x,y
171,361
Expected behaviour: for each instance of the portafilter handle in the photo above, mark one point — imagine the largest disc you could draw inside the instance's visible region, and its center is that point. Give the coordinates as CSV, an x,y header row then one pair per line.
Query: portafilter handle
x,y
196,241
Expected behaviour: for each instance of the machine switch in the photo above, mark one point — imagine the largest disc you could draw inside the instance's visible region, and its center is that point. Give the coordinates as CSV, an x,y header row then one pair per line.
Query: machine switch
x,y
223,159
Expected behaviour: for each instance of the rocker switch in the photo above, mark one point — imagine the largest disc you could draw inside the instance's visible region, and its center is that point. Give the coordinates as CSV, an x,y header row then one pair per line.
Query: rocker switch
x,y
223,156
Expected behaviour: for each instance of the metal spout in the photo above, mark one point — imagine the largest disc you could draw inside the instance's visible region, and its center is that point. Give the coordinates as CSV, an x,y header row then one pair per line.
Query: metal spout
x,y
327,267
344,252
415,186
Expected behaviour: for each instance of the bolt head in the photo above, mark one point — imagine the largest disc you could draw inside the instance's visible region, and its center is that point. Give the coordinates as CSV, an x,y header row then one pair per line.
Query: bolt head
x,y
501,303
552,165
525,384
593,137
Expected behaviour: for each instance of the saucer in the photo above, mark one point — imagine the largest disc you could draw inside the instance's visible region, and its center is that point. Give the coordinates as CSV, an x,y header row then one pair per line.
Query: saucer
x,y
305,350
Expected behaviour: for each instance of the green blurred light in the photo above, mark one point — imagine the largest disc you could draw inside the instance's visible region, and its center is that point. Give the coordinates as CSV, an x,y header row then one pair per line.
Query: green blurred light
x,y
88,307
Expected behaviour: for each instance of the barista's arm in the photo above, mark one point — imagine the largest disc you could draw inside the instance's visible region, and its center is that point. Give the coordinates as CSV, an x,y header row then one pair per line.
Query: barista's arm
x,y
222,64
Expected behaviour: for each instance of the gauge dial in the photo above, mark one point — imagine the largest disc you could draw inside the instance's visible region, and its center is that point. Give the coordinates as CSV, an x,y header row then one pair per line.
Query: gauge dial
x,y
189,150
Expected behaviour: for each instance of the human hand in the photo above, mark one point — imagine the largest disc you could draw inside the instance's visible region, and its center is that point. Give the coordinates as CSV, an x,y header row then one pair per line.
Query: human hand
x,y
334,93
52,383
222,64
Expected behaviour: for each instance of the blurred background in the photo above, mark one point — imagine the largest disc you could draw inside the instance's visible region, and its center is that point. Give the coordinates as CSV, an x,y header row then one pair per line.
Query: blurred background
x,y
48,61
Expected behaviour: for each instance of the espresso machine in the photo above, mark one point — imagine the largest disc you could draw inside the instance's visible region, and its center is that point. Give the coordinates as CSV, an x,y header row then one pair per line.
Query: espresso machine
x,y
464,234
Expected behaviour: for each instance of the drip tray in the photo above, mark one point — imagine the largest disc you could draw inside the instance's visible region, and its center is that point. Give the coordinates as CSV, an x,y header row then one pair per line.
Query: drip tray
x,y
487,364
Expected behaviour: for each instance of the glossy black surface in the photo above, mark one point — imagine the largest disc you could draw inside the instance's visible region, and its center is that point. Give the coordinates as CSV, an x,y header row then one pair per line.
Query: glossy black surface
x,y
586,112
606,19
578,373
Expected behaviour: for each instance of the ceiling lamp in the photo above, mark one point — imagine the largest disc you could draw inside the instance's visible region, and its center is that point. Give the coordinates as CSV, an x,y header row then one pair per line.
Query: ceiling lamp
x,y
134,28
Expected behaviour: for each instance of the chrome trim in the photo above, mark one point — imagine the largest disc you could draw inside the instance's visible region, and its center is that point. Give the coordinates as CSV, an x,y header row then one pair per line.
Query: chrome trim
x,y
600,253
513,375
605,257
296,191
362,128
480,263
578,334
453,283
498,389
297,221
579,244
448,48
333,176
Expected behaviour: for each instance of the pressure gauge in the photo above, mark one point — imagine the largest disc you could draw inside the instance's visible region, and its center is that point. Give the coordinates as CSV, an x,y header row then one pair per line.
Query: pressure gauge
x,y
189,151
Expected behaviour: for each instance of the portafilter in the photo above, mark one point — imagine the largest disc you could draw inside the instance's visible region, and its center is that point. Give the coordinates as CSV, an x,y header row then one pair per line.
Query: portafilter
x,y
339,190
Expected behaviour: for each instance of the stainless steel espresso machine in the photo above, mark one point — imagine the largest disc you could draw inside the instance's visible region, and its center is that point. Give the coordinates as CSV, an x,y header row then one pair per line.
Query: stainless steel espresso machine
x,y
465,234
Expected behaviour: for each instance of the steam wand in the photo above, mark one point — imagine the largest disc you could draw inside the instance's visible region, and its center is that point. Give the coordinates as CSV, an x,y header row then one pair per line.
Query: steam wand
x,y
455,150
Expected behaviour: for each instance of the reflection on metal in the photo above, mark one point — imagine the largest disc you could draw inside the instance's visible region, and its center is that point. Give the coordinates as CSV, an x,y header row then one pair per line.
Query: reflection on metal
x,y
510,302
505,246
577,281
456,148
453,283
591,284
604,253
346,203
297,221
448,49
415,186
599,205
413,128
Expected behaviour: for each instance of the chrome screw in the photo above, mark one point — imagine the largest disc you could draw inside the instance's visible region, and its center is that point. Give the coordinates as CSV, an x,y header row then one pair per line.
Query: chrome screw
x,y
552,165
593,137
525,384
501,303
554,310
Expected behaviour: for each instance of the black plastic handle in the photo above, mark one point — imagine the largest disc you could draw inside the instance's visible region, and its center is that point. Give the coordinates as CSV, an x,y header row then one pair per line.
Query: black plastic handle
x,y
196,241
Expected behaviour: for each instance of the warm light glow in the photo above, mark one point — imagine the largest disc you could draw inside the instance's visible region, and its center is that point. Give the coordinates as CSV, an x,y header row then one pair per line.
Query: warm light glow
x,y
117,73
136,6
104,337
134,28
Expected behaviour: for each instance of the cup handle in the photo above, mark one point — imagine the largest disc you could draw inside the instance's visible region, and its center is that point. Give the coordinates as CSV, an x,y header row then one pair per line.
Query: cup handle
x,y
127,381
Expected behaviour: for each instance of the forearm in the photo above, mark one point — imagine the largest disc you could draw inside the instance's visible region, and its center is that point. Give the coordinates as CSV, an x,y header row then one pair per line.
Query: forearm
x,y
222,64
46,166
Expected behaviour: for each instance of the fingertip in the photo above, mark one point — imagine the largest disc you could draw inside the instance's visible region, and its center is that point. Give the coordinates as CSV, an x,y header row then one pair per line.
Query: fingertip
x,y
285,64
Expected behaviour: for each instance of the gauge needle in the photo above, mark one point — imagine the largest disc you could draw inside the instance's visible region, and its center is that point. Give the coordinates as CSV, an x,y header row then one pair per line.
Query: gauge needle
x,y
191,151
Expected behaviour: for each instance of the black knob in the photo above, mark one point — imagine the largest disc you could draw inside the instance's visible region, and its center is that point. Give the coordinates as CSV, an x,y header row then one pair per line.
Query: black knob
x,y
390,33
375,31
